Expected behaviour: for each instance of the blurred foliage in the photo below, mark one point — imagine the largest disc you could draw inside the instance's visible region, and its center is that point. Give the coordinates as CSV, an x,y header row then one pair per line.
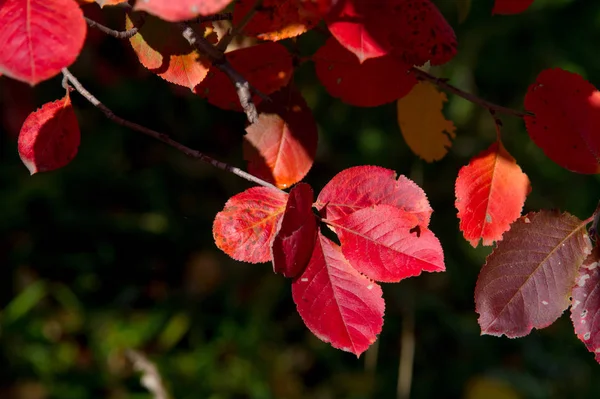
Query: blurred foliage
x,y
115,251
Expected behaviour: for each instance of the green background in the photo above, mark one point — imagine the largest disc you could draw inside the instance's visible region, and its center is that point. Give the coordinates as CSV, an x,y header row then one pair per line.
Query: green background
x,y
115,250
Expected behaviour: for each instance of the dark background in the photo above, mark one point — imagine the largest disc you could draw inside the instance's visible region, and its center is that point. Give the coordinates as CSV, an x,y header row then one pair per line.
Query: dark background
x,y
115,250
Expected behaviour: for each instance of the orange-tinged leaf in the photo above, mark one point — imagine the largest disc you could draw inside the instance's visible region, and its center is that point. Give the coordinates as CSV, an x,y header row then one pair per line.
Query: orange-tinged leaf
x,y
374,82
180,10
280,147
103,3
527,280
267,66
50,137
511,6
276,19
161,48
490,193
39,38
566,120
423,125
245,228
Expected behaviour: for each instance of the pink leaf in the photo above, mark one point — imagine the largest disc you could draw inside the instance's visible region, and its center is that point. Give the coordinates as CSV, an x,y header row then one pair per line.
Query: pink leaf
x,y
337,303
295,238
180,10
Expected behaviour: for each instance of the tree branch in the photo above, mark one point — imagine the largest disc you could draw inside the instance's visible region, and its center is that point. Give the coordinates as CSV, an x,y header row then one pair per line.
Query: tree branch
x,y
226,40
151,379
224,16
422,75
161,136
127,34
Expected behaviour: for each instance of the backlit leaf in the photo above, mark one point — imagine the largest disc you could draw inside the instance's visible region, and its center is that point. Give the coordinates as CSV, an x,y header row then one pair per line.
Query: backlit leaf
x,y
39,37
267,66
245,228
276,19
49,138
338,304
511,6
180,10
374,82
103,3
385,243
585,306
567,116
364,186
423,125
280,147
490,193
161,48
527,280
295,238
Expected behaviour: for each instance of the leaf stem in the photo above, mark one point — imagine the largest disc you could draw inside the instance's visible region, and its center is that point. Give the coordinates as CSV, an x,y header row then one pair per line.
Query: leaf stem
x,y
443,83
127,34
161,136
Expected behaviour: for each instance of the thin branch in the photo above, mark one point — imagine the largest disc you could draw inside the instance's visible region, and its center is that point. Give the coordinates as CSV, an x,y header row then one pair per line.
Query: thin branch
x,y
151,379
127,34
224,16
226,40
242,86
422,75
161,136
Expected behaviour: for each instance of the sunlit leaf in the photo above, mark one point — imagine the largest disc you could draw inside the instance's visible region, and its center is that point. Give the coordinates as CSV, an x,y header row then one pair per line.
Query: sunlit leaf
x,y
180,10
423,125
526,282
490,193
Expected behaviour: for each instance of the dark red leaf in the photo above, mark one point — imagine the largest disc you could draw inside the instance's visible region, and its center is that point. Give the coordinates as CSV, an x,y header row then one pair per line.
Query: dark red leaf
x,y
585,306
49,138
527,280
511,6
281,146
490,193
385,244
567,116
374,82
295,238
39,37
364,186
180,10
245,228
338,304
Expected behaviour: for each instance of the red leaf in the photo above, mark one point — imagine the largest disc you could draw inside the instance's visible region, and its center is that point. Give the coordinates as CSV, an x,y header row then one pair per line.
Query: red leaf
x,y
527,280
337,303
281,146
245,228
385,244
585,306
180,10
276,19
50,137
267,66
39,37
567,116
374,82
511,6
295,239
364,186
490,193
160,47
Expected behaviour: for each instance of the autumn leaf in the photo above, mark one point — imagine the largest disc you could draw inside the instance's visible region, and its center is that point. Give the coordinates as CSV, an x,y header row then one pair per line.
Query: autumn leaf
x,y
267,66
39,38
103,3
364,186
385,244
490,193
566,120
180,10
374,82
280,147
295,239
423,125
585,303
245,228
49,138
337,303
511,6
526,282
160,47
276,19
